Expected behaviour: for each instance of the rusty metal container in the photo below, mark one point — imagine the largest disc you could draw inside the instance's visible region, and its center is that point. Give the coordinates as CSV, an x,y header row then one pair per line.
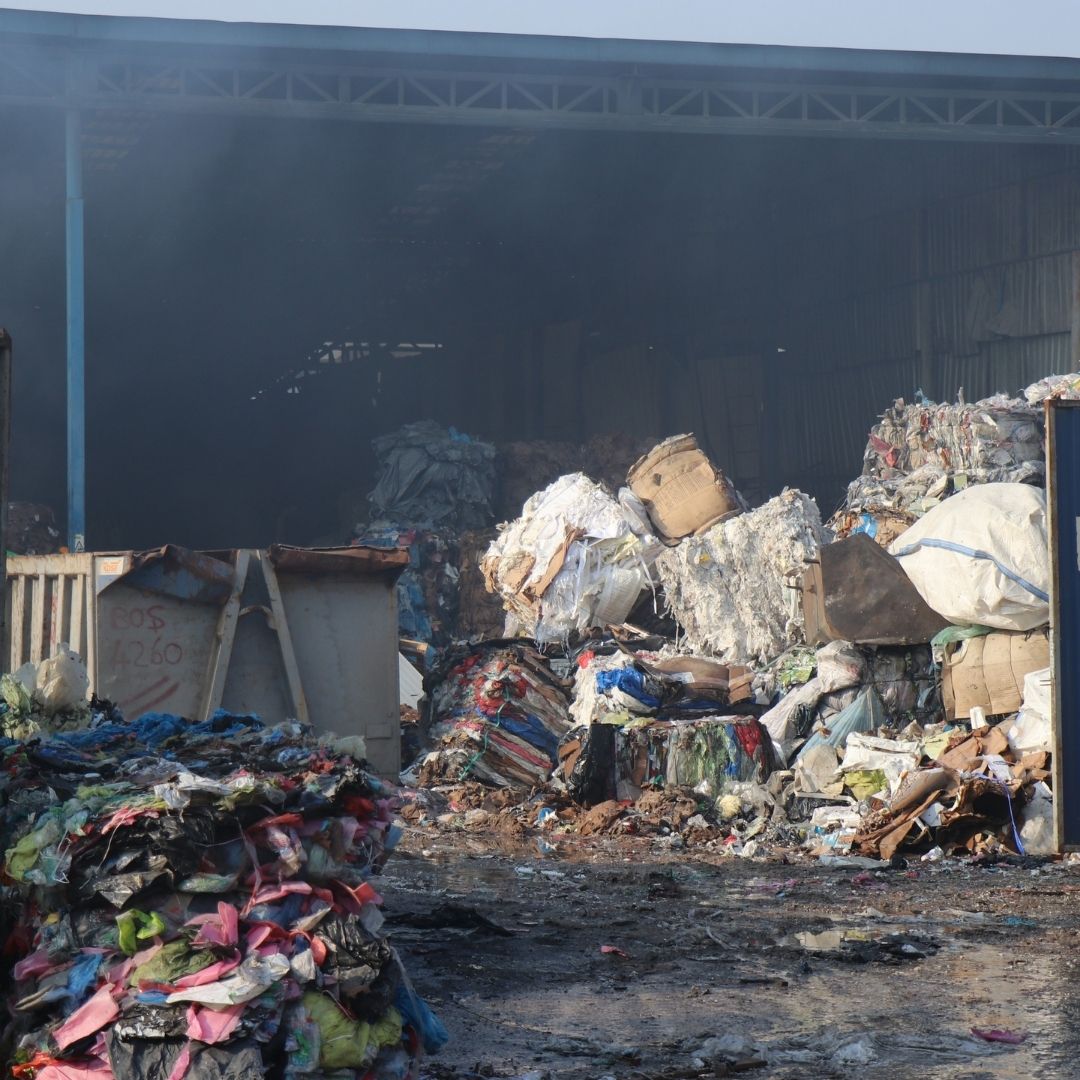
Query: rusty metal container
x,y
288,633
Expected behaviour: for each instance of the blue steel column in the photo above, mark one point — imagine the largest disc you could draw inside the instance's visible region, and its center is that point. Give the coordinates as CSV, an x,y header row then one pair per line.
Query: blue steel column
x,y
76,338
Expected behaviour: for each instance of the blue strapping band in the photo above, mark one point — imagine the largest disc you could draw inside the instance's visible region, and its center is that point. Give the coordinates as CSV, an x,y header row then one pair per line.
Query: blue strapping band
x,y
975,553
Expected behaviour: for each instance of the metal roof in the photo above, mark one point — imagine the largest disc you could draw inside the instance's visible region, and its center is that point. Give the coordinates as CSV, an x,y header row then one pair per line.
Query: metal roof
x,y
443,44
103,62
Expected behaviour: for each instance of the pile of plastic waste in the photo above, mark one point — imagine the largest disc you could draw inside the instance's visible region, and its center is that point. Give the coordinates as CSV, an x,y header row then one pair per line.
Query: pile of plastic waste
x,y
192,900
433,476
50,696
576,558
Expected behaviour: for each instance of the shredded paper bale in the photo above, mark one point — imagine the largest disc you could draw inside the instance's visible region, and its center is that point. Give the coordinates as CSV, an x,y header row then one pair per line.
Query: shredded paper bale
x,y
527,467
576,558
727,587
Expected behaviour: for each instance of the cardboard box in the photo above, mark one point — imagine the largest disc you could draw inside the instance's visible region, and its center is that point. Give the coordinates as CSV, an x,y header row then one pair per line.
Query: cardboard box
x,y
989,671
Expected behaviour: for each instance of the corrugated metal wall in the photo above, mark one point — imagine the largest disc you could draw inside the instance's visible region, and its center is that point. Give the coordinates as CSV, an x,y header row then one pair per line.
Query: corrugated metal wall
x,y
880,271
945,269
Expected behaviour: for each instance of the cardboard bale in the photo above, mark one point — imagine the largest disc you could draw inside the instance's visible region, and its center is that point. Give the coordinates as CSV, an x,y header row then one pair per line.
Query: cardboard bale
x,y
681,488
480,613
989,671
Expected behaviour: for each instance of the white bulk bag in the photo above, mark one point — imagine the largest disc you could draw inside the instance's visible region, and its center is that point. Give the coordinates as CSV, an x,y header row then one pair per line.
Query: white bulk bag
x,y
981,558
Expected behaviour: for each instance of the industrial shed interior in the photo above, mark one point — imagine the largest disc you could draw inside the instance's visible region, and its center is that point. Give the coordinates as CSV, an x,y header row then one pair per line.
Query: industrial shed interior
x,y
267,293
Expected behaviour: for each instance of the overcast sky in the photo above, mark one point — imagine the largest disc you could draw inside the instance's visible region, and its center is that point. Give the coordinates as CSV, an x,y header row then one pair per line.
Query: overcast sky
x,y
1032,27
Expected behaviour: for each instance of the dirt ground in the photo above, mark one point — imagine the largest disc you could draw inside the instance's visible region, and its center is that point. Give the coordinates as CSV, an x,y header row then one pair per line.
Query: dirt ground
x,y
791,968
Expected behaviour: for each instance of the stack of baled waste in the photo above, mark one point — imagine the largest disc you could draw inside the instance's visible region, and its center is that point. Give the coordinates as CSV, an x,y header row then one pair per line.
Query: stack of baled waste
x,y
919,454
194,903
498,714
434,476
576,558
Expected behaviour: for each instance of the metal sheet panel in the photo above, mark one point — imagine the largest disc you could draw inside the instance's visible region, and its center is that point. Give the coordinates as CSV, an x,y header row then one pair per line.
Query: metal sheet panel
x,y
153,649
980,229
347,651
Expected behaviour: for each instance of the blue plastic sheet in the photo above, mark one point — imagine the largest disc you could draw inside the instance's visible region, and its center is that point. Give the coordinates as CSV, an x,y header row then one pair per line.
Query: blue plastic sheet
x,y
866,713
416,1012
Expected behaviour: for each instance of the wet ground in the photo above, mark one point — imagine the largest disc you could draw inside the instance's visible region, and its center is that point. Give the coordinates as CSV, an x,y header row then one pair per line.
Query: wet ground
x,y
721,965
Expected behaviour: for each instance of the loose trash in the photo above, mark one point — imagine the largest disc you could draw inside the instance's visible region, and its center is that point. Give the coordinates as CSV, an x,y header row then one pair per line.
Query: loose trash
x,y
614,950
45,697
1000,1035
197,903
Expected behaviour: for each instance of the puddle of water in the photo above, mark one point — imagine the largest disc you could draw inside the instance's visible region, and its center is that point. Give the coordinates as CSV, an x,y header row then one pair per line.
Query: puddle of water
x,y
829,940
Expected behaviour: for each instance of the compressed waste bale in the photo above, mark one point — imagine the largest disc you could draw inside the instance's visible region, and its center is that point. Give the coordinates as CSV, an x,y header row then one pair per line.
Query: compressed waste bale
x,y
480,613
195,902
576,558
427,591
922,453
499,713
1066,387
989,672
982,557
728,587
709,754
682,490
528,467
586,763
432,476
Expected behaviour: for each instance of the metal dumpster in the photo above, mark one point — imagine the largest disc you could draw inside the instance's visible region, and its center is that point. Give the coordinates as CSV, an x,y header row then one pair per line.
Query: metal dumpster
x,y
287,633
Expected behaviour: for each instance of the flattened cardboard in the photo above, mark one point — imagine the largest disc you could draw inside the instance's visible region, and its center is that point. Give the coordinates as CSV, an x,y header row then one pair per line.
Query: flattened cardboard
x,y
989,671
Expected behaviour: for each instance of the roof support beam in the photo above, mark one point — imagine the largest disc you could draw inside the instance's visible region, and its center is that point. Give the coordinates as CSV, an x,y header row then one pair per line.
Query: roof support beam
x,y
84,79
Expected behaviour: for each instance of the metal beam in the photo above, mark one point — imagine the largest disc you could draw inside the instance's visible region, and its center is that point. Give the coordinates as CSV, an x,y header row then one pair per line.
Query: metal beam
x,y
76,331
537,101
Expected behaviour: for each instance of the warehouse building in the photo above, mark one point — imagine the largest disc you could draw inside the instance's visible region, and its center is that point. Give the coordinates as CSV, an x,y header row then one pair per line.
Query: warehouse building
x,y
291,239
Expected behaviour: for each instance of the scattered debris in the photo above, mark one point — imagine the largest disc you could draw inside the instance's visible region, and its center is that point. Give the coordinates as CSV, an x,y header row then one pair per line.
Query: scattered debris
x,y
195,902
